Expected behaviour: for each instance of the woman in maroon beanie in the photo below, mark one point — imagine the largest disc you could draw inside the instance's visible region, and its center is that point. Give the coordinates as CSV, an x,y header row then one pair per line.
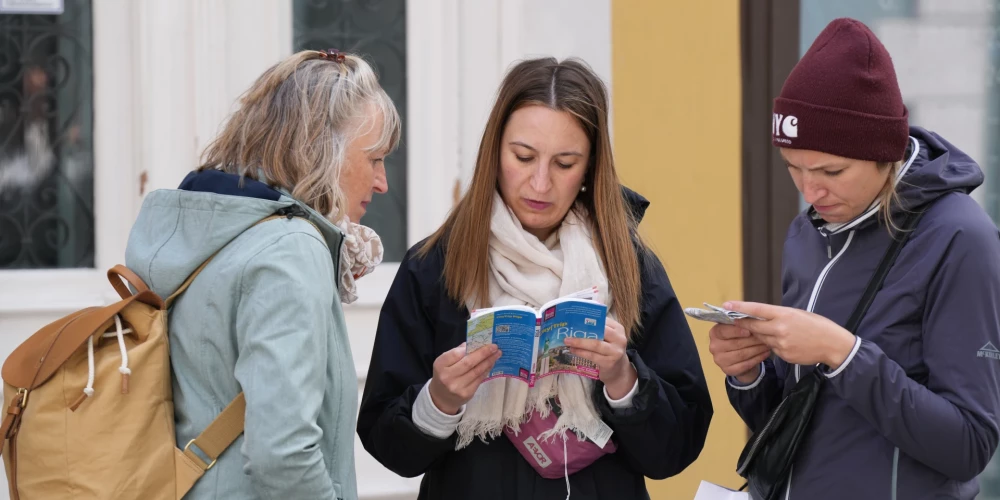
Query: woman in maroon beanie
x,y
909,401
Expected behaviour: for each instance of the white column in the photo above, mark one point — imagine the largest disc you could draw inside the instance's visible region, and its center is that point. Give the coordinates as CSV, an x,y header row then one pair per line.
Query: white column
x,y
432,128
116,176
164,76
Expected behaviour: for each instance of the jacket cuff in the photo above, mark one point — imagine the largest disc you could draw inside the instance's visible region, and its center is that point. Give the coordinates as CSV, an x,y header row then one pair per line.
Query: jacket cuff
x,y
735,384
626,400
641,405
861,371
432,421
830,374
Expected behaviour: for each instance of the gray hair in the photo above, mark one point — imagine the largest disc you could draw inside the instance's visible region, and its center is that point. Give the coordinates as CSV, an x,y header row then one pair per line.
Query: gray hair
x,y
295,122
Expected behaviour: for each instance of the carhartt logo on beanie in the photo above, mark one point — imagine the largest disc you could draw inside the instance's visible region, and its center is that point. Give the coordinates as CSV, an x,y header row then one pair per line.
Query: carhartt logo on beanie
x,y
842,98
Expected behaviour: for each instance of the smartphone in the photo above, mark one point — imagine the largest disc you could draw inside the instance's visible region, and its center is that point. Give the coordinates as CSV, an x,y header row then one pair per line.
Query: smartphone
x,y
716,314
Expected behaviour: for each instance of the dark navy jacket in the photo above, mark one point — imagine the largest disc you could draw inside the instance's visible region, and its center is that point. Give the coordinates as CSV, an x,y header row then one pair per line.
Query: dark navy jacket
x,y
660,435
913,413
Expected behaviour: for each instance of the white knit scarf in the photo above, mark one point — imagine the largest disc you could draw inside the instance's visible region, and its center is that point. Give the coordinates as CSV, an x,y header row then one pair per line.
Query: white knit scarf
x,y
360,252
526,271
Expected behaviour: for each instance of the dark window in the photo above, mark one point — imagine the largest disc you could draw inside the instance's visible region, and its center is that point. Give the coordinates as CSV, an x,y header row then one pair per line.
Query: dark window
x,y
46,139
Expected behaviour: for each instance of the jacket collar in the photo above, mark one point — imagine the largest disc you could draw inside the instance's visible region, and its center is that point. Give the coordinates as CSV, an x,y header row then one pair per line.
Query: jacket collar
x,y
837,228
636,203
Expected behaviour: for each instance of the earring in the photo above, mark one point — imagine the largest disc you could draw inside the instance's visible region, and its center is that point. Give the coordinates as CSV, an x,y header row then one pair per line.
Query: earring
x,y
583,189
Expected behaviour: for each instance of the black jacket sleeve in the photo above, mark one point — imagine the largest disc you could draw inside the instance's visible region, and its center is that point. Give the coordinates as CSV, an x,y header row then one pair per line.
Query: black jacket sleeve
x,y
402,362
664,430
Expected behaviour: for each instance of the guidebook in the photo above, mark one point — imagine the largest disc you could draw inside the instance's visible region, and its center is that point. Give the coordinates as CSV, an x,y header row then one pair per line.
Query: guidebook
x,y
532,340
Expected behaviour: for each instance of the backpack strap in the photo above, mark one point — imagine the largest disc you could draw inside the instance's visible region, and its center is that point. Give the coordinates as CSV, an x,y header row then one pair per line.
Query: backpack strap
x,y
190,279
119,271
228,425
875,283
184,286
221,433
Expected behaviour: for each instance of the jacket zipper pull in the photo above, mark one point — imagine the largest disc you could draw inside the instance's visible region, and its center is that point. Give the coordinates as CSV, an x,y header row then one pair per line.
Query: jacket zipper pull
x,y
829,246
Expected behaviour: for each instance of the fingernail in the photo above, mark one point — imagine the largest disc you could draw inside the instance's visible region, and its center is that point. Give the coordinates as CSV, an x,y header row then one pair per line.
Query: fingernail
x,y
493,348
727,305
745,332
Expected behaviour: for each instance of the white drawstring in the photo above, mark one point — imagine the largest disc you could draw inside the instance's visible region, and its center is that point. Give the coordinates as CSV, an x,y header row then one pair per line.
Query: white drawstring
x,y
89,390
123,369
566,465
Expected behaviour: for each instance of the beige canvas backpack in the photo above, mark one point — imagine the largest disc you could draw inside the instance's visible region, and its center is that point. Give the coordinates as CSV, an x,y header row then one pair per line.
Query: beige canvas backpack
x,y
90,406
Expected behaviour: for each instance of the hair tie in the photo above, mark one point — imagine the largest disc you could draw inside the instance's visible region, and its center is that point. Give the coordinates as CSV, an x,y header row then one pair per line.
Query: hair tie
x,y
333,55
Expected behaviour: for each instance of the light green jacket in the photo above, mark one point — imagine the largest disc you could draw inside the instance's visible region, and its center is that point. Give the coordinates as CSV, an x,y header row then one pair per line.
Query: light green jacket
x,y
263,317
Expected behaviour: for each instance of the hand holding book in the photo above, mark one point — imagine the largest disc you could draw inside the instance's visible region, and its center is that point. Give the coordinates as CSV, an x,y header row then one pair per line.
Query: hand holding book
x,y
608,354
457,376
533,340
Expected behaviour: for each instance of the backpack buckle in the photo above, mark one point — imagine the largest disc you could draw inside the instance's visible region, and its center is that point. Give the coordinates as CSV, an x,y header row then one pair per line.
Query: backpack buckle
x,y
194,456
23,394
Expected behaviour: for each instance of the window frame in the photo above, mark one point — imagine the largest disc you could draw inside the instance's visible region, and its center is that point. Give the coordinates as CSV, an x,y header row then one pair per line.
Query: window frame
x,y
770,200
131,64
32,291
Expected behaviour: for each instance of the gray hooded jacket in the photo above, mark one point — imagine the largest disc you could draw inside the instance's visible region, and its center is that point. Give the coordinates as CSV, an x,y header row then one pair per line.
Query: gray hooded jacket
x,y
913,412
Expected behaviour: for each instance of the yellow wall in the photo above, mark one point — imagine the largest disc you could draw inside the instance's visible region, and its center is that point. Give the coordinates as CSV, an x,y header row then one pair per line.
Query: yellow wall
x,y
676,92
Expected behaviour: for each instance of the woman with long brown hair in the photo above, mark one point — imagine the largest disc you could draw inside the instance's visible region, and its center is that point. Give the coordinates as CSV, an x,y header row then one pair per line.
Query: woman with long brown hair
x,y
545,216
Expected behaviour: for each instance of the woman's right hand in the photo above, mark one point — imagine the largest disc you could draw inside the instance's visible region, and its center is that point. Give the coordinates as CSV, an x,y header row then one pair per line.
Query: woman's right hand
x,y
737,352
457,376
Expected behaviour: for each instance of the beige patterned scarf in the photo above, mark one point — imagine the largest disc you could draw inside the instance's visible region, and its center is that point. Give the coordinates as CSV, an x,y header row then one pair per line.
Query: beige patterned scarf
x,y
526,271
360,253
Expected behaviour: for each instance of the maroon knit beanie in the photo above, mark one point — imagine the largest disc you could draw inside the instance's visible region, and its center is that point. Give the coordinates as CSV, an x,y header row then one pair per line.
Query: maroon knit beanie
x,y
842,98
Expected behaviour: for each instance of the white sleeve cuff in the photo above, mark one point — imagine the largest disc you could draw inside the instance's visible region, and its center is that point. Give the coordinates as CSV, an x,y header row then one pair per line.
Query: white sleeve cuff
x,y
857,345
626,400
432,421
735,384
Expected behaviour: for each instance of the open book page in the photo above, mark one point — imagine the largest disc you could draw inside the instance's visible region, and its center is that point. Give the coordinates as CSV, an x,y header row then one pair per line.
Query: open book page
x,y
585,294
513,330
561,319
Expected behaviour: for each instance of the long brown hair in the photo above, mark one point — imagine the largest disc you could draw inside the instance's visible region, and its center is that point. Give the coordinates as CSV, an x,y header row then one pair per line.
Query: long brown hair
x,y
569,86
295,122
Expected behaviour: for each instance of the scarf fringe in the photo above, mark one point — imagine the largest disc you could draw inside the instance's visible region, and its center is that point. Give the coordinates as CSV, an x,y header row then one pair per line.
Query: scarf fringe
x,y
524,270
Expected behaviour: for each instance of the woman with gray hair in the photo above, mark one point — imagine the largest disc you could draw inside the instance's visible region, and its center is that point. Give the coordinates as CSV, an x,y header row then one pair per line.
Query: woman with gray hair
x,y
270,225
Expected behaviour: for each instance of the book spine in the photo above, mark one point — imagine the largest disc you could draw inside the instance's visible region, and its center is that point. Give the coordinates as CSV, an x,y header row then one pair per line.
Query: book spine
x,y
534,352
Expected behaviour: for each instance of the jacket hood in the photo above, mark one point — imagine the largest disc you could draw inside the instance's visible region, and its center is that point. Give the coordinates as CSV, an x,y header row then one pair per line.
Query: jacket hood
x,y
932,168
938,169
178,229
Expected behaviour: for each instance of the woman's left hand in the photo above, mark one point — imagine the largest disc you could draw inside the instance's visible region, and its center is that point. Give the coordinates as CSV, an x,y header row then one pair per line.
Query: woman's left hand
x,y
616,371
796,336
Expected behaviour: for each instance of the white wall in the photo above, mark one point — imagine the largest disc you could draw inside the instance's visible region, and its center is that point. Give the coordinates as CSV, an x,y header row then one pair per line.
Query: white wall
x,y
167,72
495,34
